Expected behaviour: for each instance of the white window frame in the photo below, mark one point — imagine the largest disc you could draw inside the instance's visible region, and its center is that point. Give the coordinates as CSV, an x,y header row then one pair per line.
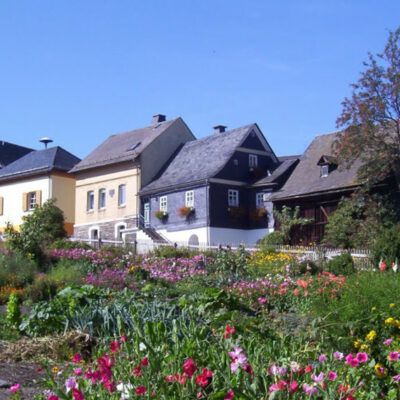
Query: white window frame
x,y
324,171
189,198
90,200
102,196
31,201
121,195
253,161
233,198
259,200
164,203
117,231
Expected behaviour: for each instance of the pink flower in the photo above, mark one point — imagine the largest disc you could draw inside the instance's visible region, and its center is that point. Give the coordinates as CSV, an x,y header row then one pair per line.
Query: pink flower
x,y
393,356
228,331
123,338
322,358
388,341
70,383
293,386
76,358
14,388
338,355
53,397
348,358
78,371
362,357
144,362
115,346
308,369
277,386
77,394
396,378
354,363
309,389
189,368
319,378
229,396
332,375
141,390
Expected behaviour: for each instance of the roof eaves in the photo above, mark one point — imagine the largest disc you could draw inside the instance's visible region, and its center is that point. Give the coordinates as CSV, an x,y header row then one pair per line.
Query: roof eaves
x,y
172,187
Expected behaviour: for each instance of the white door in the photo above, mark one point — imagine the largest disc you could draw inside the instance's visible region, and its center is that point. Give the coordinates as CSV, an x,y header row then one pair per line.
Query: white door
x,y
146,214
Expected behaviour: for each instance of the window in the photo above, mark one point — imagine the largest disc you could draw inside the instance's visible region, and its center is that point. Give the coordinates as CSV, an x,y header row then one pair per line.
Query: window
x,y
163,203
233,198
324,171
121,195
90,201
102,198
31,200
119,231
189,198
253,161
259,200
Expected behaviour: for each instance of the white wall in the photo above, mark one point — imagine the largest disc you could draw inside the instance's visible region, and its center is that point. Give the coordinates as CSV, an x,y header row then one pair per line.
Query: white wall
x,y
226,236
182,237
12,193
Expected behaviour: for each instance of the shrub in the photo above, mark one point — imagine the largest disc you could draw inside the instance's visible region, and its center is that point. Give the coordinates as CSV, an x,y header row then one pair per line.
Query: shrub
x,y
69,272
307,266
231,262
387,246
341,265
43,288
273,238
66,244
13,312
16,270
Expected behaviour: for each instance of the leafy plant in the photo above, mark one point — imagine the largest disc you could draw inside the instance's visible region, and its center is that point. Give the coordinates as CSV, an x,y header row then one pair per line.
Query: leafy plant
x,y
231,262
341,265
273,238
185,212
13,312
387,246
161,215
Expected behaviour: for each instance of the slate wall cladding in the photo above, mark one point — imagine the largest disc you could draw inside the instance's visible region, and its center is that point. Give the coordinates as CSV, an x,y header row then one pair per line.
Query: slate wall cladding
x,y
253,142
239,170
107,229
175,201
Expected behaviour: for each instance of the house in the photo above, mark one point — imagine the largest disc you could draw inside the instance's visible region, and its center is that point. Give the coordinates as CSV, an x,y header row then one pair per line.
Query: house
x,y
10,152
215,190
34,178
109,178
316,185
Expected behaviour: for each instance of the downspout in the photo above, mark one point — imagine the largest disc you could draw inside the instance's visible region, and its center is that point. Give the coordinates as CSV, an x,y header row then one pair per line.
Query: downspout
x,y
208,211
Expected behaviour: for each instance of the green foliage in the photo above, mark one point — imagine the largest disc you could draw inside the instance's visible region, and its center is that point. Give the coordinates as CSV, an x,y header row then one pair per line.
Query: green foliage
x,y
66,244
179,252
16,270
40,228
288,220
43,288
306,266
273,238
341,265
69,272
13,312
371,117
359,220
387,246
7,332
231,262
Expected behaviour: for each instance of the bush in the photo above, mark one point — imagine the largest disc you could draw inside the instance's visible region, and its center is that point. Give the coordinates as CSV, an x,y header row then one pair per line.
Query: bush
x,y
273,238
43,288
231,262
180,252
16,270
307,266
341,265
69,272
387,246
65,244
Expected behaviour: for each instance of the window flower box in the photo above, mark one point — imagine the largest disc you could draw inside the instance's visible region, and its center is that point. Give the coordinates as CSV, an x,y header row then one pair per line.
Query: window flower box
x,y
258,214
161,215
185,212
237,212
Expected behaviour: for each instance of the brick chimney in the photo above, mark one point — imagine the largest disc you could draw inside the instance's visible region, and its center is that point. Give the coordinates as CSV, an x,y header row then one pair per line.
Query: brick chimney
x,y
219,128
158,118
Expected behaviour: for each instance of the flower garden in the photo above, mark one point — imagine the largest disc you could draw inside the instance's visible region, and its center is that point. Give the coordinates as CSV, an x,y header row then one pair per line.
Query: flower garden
x,y
224,325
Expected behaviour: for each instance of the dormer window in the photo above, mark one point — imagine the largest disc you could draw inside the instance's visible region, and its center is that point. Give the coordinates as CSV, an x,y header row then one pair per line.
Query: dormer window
x,y
253,161
327,164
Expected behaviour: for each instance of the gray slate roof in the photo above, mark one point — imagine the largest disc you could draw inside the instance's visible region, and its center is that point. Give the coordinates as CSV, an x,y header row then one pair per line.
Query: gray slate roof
x,y
277,172
306,179
118,148
10,152
199,159
39,161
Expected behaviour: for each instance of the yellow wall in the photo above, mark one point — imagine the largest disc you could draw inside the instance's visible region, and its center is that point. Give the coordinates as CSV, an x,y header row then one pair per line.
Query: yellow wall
x,y
63,189
109,178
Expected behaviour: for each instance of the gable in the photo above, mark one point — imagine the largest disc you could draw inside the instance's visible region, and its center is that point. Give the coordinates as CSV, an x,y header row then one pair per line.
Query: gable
x,y
252,141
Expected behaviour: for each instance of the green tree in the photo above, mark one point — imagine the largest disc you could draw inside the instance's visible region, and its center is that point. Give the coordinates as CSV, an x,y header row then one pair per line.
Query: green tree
x,y
359,220
370,118
288,220
40,228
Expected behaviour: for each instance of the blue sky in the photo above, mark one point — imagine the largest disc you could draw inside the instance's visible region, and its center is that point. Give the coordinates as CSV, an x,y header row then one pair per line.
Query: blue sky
x,y
79,71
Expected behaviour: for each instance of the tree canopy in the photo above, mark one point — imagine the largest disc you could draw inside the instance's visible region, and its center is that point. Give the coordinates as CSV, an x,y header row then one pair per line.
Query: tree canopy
x,y
370,117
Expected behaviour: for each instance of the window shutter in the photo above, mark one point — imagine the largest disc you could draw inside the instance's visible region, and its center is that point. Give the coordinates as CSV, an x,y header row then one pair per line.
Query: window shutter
x,y
1,205
24,201
38,198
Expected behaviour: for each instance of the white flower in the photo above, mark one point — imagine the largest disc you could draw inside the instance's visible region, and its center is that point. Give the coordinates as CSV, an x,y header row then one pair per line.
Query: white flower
x,y
125,390
142,346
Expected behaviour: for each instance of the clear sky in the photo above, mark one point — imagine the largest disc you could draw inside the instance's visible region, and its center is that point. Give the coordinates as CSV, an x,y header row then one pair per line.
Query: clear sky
x,y
79,71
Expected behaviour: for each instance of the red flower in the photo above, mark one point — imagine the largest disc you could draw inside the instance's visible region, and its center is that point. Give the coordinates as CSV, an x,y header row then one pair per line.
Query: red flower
x,y
137,371
144,362
115,346
141,390
228,331
229,396
249,369
76,358
308,369
77,394
205,378
53,397
110,386
189,368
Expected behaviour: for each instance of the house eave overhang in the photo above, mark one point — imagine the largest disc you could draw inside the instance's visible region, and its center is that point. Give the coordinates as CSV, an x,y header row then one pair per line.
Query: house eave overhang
x,y
104,163
173,188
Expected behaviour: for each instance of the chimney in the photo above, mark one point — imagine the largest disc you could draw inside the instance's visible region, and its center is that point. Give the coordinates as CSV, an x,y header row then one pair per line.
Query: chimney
x,y
219,128
158,118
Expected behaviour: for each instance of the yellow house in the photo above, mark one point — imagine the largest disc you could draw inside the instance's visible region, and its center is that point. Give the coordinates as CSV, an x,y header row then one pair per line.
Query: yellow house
x,y
109,178
33,179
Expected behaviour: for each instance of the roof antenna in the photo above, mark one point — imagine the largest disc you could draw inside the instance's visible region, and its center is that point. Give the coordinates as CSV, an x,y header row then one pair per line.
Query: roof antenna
x,y
46,141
